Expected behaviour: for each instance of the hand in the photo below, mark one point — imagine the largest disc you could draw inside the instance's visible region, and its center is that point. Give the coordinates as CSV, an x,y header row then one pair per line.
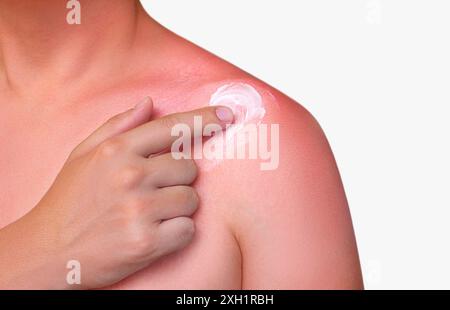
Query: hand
x,y
120,203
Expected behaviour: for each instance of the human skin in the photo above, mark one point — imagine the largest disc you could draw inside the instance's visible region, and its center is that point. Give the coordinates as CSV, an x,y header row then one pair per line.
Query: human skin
x,y
117,190
289,229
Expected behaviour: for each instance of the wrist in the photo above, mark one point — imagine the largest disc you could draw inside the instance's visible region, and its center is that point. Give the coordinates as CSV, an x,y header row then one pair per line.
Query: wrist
x,y
29,256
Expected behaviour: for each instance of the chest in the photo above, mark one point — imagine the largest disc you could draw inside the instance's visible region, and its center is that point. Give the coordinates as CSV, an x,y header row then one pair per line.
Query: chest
x,y
33,149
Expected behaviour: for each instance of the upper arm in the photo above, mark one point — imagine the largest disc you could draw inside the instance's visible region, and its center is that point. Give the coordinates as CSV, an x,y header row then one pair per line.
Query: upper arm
x,y
293,224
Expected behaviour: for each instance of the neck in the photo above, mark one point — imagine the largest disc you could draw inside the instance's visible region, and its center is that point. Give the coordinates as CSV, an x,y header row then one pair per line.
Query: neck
x,y
36,40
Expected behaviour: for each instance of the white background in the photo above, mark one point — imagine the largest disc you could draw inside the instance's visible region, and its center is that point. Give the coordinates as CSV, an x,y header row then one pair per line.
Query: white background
x,y
376,74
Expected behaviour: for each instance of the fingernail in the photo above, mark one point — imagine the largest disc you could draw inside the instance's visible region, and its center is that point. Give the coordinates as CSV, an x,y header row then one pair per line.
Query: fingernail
x,y
142,103
225,114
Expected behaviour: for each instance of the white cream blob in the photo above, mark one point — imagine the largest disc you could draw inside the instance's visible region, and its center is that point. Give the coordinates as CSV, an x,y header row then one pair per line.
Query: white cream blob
x,y
248,108
245,102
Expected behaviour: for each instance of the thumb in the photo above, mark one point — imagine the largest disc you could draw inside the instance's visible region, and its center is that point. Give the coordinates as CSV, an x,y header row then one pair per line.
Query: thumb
x,y
116,125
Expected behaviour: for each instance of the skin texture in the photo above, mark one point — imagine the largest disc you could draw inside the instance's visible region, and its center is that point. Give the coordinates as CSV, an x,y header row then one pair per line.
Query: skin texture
x,y
116,190
288,228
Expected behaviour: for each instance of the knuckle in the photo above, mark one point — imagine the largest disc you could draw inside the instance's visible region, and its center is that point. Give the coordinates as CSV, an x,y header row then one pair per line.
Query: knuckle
x,y
141,243
129,176
140,238
111,147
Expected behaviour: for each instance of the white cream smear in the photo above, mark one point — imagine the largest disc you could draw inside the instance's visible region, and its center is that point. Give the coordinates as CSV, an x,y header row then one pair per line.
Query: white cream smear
x,y
245,102
247,106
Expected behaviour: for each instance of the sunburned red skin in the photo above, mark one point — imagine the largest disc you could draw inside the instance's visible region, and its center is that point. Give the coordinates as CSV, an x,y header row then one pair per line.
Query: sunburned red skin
x,y
288,228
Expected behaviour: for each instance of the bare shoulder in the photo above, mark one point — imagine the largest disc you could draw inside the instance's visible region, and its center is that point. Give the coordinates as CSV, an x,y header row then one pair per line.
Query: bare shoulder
x,y
293,162
290,217
291,222
290,212
286,204
289,140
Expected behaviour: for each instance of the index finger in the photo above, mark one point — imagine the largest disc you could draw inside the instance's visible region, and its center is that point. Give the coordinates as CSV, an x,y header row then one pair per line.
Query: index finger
x,y
155,136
